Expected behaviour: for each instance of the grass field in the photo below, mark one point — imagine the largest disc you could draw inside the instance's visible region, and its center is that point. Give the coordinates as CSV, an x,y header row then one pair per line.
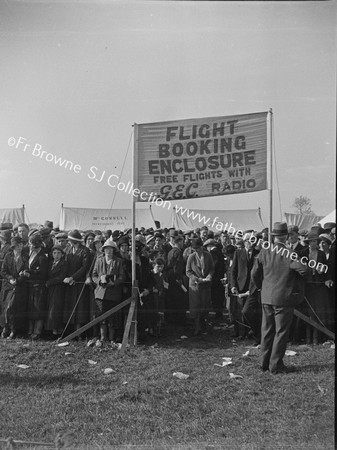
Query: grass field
x,y
141,405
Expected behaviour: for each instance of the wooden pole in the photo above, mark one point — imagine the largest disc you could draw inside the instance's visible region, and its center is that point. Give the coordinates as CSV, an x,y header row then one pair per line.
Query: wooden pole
x,y
314,324
131,323
97,320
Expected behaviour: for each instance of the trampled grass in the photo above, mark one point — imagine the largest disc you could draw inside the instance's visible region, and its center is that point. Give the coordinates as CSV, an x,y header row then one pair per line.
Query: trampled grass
x,y
142,405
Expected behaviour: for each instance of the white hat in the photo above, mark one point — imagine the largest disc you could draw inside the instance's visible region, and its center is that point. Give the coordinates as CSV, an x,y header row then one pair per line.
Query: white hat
x,y
110,243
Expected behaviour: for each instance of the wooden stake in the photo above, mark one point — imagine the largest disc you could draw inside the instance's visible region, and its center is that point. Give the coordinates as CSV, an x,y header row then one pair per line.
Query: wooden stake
x,y
132,316
314,324
97,320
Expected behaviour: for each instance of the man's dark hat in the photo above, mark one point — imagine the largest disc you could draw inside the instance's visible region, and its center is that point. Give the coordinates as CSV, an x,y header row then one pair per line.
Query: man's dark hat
x,y
312,236
123,240
6,226
6,235
280,229
45,232
75,235
317,229
329,226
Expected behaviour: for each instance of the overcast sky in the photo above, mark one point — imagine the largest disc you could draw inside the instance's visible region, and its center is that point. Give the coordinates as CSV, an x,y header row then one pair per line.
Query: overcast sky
x,y
75,76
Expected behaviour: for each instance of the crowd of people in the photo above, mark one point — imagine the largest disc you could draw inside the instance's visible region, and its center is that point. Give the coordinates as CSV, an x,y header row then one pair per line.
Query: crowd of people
x,y
54,282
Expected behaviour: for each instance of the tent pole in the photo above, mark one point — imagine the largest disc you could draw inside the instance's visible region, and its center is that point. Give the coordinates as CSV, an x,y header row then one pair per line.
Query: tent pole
x,y
271,172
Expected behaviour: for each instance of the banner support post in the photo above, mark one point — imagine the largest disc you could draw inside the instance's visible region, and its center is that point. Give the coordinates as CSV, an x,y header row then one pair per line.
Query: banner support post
x,y
131,323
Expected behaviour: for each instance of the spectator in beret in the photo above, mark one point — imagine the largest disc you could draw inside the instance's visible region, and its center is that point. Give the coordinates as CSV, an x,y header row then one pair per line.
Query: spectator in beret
x,y
61,240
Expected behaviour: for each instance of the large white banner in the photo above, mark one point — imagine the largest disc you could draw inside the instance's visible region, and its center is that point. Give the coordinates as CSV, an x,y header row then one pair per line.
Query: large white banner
x,y
204,157
85,219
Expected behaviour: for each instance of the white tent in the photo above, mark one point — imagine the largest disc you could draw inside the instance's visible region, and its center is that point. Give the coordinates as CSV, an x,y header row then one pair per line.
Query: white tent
x,y
15,216
331,217
303,221
216,220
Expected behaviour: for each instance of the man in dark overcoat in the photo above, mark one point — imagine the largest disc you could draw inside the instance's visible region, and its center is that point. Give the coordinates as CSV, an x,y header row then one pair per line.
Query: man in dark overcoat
x,y
76,305
240,281
282,290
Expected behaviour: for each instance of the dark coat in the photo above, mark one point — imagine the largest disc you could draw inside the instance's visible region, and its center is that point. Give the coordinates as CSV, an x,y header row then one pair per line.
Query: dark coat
x,y
3,290
317,294
55,295
77,268
282,282
145,280
314,275
175,264
299,248
14,298
37,299
241,268
331,275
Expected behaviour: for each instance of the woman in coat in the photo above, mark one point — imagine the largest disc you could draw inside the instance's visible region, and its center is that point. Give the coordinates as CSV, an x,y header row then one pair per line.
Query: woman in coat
x,y
57,271
199,269
37,294
15,289
108,275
